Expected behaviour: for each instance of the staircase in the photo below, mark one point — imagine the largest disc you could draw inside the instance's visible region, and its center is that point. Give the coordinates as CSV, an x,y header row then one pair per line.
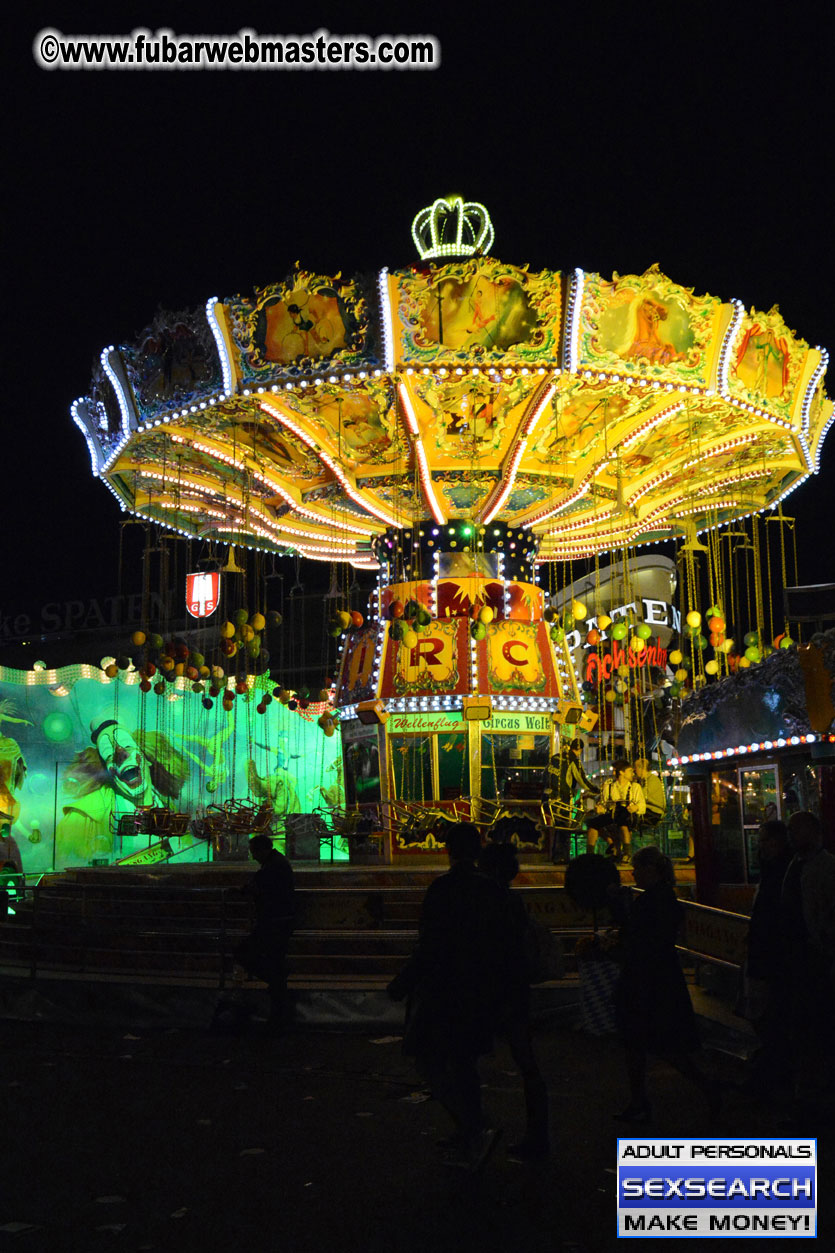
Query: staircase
x,y
355,926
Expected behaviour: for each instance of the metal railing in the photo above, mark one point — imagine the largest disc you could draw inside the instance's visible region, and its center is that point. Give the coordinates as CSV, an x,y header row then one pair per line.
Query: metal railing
x,y
78,929
84,915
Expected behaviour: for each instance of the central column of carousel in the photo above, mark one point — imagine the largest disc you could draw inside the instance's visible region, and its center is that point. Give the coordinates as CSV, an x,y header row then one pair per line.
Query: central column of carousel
x,y
454,694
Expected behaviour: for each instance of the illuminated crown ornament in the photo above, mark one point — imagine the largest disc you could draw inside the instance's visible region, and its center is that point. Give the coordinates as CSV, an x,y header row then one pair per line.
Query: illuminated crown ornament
x,y
451,228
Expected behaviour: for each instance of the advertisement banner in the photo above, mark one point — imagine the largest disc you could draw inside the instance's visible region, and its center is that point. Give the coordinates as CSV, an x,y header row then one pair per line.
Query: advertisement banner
x,y
717,1188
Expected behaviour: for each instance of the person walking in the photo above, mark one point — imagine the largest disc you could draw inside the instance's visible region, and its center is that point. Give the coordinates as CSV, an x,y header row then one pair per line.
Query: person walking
x,y
759,1001
453,990
264,951
513,1022
652,1004
807,979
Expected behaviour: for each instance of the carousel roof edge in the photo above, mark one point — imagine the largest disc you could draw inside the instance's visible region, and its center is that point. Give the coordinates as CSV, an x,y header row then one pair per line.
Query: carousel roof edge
x,y
763,704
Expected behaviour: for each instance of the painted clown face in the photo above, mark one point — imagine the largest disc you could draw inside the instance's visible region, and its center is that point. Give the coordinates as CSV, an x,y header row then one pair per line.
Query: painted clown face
x,y
125,763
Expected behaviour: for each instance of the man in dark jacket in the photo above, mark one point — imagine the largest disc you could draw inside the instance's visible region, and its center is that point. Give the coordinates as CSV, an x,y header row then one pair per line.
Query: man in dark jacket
x,y
263,953
455,982
762,974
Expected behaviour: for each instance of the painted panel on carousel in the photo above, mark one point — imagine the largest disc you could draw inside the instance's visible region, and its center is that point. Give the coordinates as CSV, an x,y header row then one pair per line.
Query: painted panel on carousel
x,y
362,426
704,452
648,325
767,363
299,322
437,662
528,491
238,428
398,492
356,676
571,431
91,752
464,597
465,418
479,308
173,362
525,602
720,469
267,439
673,436
461,494
518,658
820,417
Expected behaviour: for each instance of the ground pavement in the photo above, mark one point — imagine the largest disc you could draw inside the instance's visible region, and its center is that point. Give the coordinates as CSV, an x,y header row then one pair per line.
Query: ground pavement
x,y
181,1139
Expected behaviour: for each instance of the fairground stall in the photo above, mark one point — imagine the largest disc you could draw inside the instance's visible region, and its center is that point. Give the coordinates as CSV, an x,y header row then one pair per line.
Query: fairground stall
x,y
758,747
569,489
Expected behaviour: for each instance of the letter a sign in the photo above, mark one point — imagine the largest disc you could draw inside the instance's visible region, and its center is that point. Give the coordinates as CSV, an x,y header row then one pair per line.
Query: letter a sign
x,y
202,594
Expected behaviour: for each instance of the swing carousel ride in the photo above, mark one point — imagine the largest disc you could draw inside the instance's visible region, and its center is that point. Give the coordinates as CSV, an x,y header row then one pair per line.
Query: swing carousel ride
x,y
564,483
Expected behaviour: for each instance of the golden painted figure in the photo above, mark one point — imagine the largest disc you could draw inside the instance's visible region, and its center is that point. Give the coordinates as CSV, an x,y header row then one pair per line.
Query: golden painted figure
x,y
762,361
308,324
644,336
475,311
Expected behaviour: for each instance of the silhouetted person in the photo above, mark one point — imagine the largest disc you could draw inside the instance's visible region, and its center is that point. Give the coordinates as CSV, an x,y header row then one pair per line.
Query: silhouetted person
x,y
807,918
771,1065
453,990
264,952
565,782
513,1020
652,1004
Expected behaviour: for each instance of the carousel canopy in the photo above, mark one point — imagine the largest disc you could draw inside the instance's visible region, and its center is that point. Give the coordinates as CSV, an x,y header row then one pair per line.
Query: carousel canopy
x,y
321,412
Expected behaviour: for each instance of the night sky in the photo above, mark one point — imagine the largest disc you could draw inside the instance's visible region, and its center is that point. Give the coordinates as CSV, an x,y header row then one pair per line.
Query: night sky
x,y
610,138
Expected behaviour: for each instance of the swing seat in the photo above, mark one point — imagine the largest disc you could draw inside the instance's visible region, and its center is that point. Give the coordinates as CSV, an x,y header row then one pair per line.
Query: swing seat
x,y
124,826
305,834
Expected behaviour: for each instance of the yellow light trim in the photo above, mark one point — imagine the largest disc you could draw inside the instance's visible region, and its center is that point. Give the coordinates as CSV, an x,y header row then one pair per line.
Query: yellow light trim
x,y
650,424
573,495
716,450
275,487
356,496
420,453
526,429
